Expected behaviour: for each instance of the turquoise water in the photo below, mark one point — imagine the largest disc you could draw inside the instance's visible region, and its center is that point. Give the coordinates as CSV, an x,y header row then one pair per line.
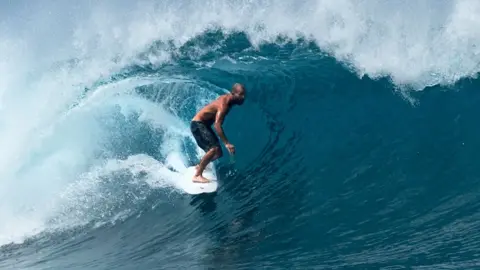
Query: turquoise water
x,y
355,149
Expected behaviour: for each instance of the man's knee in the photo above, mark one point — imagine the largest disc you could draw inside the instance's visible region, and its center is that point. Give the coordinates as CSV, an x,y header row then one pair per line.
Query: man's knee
x,y
218,152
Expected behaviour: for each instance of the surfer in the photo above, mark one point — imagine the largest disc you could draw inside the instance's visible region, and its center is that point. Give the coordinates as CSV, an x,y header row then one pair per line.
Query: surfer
x,y
214,114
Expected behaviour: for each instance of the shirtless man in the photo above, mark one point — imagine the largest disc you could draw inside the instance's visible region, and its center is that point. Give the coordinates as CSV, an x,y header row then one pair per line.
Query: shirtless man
x,y
214,113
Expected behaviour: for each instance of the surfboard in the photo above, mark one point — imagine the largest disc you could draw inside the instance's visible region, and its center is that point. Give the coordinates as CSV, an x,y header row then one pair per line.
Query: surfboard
x,y
191,187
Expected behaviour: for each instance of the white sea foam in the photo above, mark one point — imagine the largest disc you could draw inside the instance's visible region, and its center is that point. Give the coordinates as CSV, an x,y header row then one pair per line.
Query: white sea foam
x,y
53,136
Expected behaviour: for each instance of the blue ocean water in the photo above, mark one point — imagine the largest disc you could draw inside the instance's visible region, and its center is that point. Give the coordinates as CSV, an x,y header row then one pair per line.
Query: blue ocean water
x,y
356,146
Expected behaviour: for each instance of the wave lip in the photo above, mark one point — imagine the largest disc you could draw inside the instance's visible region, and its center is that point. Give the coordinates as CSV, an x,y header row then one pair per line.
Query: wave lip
x,y
333,170
415,44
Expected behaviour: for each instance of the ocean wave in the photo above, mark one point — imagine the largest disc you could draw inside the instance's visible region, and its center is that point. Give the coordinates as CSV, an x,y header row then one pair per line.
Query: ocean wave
x,y
334,169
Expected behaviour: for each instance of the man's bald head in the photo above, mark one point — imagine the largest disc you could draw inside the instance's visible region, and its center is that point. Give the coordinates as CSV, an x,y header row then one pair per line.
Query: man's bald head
x,y
238,92
238,89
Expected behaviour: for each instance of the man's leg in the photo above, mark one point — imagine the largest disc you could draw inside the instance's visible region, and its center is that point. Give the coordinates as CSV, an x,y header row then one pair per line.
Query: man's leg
x,y
212,155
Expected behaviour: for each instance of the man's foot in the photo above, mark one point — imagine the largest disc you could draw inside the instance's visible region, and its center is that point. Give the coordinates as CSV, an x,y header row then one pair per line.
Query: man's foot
x,y
200,179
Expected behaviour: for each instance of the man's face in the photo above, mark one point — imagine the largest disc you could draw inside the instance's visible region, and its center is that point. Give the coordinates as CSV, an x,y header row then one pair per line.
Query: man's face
x,y
239,93
241,97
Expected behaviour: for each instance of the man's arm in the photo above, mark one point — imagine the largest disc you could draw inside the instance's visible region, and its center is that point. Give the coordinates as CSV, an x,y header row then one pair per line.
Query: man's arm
x,y
222,111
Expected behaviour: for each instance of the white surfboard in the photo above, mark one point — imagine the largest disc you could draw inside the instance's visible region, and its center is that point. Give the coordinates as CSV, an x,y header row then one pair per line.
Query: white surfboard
x,y
186,183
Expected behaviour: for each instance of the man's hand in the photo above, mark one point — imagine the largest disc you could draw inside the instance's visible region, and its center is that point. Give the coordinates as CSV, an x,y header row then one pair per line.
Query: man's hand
x,y
230,148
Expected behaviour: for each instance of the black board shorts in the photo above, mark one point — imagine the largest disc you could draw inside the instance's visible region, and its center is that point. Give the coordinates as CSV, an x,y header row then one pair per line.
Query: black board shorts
x,y
204,135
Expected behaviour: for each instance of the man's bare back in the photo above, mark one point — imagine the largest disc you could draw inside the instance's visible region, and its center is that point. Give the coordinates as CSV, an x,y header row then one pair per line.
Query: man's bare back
x,y
208,113
214,114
